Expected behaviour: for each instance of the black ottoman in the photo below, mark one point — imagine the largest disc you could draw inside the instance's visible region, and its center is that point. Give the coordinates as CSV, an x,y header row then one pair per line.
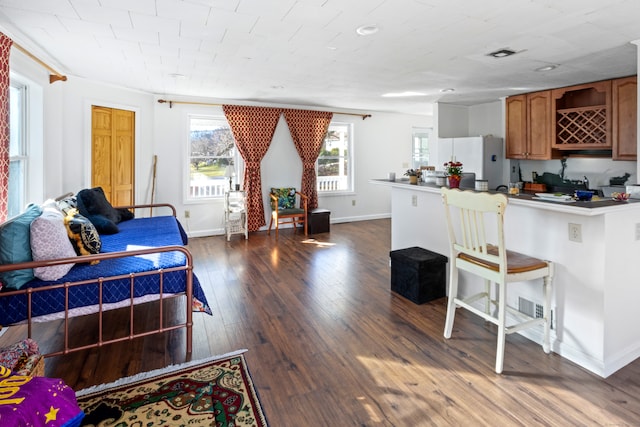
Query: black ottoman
x,y
318,221
418,274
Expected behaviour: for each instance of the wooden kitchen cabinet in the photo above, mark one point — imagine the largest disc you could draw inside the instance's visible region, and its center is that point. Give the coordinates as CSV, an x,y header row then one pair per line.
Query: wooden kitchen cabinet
x,y
625,118
529,123
582,117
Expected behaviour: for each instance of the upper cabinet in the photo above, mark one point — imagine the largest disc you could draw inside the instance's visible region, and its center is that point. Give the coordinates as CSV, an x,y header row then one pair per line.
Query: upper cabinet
x,y
582,117
625,130
597,118
529,126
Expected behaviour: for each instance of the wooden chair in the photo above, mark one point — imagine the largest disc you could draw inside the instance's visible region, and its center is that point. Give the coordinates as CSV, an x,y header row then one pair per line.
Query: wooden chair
x,y
470,251
286,209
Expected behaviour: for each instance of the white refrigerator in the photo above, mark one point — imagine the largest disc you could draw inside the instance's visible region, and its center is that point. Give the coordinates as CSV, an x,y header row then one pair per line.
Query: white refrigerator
x,y
482,155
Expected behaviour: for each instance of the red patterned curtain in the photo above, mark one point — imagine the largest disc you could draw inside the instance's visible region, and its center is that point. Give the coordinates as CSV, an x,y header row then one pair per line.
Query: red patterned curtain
x,y
5,50
253,129
308,129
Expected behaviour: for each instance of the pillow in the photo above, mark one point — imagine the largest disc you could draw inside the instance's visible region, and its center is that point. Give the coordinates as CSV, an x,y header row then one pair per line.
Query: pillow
x,y
125,214
83,234
66,204
92,201
103,224
286,198
49,240
15,246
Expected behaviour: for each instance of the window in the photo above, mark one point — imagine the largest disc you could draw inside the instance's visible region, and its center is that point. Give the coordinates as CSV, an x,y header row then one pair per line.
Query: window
x,y
420,154
212,157
17,149
335,172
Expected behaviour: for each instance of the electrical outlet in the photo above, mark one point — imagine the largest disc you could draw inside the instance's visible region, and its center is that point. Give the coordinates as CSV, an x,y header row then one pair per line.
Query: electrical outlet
x,y
638,231
575,232
405,165
414,200
187,214
353,202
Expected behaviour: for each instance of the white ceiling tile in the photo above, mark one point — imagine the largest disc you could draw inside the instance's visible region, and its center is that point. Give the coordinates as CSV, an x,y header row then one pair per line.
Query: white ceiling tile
x,y
271,9
81,28
92,11
137,35
220,18
186,12
202,32
52,7
147,7
152,23
244,48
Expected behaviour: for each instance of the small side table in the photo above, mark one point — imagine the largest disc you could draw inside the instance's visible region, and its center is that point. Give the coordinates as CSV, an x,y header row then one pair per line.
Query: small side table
x,y
319,221
418,274
235,213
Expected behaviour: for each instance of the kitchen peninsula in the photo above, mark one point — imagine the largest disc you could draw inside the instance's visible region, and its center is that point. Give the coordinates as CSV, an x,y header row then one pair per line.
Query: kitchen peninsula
x,y
596,288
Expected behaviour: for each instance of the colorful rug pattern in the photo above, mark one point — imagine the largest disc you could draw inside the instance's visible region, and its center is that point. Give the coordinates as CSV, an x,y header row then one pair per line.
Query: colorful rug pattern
x,y
215,392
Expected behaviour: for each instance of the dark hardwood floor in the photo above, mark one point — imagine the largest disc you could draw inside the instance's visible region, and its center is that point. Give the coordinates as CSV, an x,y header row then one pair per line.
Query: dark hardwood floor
x,y
330,345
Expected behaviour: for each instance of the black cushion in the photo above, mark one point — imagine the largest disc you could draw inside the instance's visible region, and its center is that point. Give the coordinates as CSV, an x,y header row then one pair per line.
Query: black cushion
x,y
103,224
93,204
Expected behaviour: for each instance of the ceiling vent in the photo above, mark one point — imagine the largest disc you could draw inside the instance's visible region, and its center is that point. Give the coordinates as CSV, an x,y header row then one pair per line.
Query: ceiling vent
x,y
502,53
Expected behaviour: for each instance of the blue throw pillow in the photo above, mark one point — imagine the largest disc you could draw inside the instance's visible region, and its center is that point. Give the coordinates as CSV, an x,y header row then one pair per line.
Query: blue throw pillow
x,y
15,246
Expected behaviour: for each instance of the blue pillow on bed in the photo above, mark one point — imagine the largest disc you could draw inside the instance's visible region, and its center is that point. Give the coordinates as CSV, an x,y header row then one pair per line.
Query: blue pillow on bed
x,y
15,246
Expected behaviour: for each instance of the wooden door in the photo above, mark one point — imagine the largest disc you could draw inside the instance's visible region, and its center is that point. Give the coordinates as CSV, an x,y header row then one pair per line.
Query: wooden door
x,y
112,153
625,118
539,125
516,141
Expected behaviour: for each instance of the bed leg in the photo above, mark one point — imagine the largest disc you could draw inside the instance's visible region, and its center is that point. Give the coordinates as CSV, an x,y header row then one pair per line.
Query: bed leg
x,y
189,305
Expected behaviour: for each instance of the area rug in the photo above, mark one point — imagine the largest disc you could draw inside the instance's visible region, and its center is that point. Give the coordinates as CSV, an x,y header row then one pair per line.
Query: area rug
x,y
213,392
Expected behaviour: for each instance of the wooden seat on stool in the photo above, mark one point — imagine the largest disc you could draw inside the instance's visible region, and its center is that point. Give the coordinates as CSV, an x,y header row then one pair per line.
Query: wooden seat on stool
x,y
471,252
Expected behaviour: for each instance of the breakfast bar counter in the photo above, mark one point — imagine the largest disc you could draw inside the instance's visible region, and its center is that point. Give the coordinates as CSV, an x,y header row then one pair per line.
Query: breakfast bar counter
x,y
595,246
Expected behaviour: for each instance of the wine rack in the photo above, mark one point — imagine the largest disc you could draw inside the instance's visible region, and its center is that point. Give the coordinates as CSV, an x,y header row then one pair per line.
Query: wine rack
x,y
581,126
582,117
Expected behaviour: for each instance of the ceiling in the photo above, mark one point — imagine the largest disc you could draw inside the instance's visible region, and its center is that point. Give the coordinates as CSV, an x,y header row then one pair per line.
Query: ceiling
x,y
307,52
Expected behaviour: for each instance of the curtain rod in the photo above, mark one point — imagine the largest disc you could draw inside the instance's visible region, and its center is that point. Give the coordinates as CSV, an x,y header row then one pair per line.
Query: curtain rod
x,y
162,101
54,76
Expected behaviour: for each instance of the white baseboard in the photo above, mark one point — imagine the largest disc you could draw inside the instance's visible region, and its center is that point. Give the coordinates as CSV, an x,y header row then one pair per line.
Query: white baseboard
x,y
221,231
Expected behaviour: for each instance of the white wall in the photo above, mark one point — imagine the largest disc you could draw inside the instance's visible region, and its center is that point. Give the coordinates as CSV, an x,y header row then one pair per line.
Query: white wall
x,y
451,121
382,144
487,119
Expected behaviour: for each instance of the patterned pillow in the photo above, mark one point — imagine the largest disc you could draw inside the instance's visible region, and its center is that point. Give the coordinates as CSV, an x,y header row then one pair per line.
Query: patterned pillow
x,y
286,198
68,203
49,240
83,234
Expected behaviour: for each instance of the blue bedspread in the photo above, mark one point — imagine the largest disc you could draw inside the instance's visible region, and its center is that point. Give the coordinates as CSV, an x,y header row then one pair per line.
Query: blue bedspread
x,y
139,233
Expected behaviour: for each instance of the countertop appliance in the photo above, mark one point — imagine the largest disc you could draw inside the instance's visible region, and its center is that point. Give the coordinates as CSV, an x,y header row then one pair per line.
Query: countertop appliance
x,y
482,155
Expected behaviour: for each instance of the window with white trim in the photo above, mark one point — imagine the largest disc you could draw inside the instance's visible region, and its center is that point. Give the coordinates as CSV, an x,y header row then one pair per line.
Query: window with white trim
x,y
213,158
18,160
334,165
420,154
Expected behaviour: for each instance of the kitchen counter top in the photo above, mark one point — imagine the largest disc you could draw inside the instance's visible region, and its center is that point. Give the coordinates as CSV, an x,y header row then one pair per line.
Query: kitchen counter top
x,y
596,270
593,207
